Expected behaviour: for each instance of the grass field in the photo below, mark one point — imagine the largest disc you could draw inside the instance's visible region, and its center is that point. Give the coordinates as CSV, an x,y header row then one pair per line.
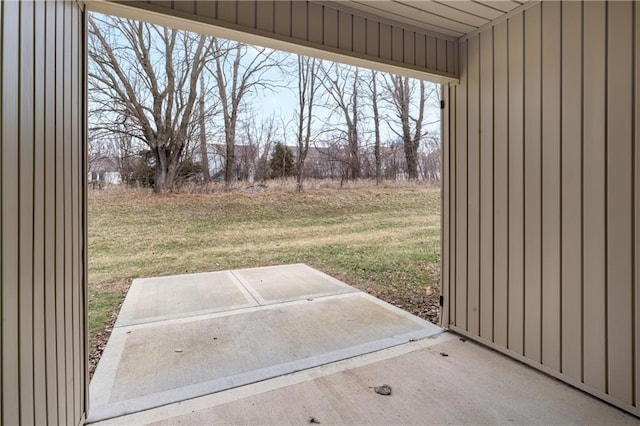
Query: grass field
x,y
382,240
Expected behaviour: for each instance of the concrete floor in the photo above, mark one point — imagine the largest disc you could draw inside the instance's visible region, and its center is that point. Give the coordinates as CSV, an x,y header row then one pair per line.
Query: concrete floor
x,y
310,349
472,385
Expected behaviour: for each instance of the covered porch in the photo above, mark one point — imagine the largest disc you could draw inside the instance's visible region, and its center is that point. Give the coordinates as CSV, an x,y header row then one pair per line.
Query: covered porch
x,y
540,206
290,345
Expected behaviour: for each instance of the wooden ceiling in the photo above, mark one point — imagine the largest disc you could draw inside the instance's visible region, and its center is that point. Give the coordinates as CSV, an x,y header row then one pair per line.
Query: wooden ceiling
x,y
453,18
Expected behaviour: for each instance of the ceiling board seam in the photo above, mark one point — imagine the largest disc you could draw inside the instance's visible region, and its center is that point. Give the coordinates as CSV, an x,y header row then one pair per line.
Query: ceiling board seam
x,y
454,20
396,23
488,6
502,18
380,19
388,12
452,6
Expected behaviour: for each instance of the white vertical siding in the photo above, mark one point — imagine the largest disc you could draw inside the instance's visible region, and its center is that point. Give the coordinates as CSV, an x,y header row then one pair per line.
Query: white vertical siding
x,y
42,117
546,146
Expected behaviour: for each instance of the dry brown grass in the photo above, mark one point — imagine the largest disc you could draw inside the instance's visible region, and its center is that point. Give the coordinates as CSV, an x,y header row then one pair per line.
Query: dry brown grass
x,y
273,186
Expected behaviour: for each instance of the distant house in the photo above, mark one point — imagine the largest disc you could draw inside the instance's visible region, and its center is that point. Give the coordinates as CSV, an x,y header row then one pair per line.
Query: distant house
x,y
322,163
104,170
245,162
331,161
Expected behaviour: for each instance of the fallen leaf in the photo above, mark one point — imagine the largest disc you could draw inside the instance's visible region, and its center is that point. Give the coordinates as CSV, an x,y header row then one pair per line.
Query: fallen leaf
x,y
383,390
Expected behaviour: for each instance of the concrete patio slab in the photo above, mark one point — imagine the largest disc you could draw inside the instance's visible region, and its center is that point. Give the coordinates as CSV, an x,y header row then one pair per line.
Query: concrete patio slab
x,y
160,353
160,298
277,284
472,385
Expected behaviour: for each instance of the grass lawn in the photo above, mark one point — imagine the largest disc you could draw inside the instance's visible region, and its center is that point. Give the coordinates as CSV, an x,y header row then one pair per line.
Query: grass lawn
x,y
382,240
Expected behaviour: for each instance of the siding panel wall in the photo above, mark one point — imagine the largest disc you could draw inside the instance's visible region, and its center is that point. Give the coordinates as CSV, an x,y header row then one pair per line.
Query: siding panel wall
x,y
564,237
551,81
620,167
515,116
571,187
473,186
532,183
303,26
636,235
486,185
500,105
460,195
42,118
594,213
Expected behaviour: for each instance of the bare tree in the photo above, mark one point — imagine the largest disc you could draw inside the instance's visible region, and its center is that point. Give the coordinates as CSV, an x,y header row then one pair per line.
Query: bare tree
x,y
403,97
259,137
335,155
119,149
242,70
204,152
98,148
342,84
430,158
148,76
307,87
376,125
394,160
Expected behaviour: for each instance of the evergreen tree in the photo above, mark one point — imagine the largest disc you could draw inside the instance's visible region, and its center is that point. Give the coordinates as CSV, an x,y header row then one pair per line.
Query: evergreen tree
x,y
281,162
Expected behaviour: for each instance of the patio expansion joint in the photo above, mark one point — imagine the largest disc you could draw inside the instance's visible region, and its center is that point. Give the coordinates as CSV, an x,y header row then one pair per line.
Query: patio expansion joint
x,y
249,289
252,289
239,311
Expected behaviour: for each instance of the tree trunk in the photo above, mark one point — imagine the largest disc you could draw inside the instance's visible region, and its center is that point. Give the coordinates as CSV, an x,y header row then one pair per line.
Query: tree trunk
x,y
354,158
160,185
172,172
230,157
376,153
410,153
354,163
166,169
355,155
300,176
376,124
204,154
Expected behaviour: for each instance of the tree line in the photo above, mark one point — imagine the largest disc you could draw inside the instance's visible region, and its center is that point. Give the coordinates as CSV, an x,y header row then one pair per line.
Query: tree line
x,y
170,105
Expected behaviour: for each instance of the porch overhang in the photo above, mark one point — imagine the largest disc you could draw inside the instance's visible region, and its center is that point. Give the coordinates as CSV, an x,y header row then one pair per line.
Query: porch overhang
x,y
416,39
